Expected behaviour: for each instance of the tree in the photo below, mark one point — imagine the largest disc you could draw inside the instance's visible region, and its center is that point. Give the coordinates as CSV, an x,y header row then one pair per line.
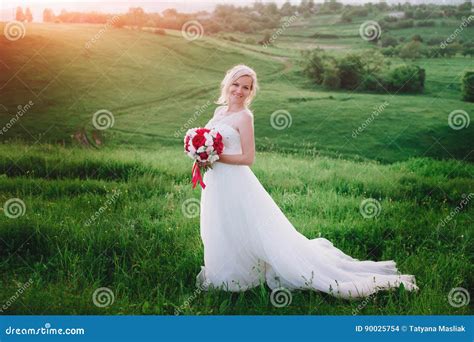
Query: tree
x,y
136,17
48,15
28,15
20,16
287,9
468,86
411,50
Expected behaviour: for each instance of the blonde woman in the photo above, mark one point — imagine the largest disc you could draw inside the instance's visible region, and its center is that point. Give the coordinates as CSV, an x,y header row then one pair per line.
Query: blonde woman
x,y
248,240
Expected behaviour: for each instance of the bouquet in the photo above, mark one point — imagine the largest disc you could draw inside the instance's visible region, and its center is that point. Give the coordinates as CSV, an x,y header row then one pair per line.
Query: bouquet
x,y
204,146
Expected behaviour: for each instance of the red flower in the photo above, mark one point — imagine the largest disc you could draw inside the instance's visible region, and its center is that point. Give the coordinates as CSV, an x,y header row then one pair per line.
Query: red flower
x,y
198,140
186,144
203,155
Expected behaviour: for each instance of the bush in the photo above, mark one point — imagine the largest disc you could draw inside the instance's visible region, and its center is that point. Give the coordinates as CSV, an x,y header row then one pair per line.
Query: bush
x,y
373,83
390,19
331,78
250,41
406,78
388,51
404,24
314,64
365,71
417,38
435,41
468,86
426,23
350,71
389,41
410,50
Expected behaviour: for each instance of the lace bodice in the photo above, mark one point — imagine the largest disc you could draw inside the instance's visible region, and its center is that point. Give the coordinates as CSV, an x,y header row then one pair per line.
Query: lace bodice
x,y
231,137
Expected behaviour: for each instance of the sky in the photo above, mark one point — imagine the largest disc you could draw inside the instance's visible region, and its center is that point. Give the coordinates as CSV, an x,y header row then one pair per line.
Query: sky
x,y
7,7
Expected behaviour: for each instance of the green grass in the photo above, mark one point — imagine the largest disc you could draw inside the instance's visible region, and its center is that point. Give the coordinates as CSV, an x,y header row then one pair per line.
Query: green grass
x,y
143,247
148,252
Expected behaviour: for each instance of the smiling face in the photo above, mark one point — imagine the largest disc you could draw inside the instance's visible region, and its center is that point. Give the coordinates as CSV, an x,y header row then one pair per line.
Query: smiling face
x,y
240,90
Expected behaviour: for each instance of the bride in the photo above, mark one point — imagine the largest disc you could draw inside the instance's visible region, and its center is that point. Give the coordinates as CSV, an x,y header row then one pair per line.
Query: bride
x,y
247,238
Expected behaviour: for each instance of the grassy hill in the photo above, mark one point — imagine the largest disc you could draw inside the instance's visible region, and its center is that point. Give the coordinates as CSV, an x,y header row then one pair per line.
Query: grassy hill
x,y
153,84
144,246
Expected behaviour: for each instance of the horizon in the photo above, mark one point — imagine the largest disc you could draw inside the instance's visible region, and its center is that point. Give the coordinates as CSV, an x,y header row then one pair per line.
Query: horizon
x,y
7,11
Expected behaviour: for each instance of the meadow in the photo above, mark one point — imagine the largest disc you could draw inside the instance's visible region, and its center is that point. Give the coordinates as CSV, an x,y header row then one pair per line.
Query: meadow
x,y
145,244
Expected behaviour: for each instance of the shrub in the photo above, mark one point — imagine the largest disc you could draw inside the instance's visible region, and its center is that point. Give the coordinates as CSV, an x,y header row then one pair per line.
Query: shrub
x,y
314,64
417,38
350,71
468,86
389,41
331,78
406,78
435,40
426,23
388,51
410,50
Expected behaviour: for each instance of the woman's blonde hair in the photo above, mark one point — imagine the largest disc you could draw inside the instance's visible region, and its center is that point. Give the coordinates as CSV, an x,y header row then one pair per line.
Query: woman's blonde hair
x,y
231,76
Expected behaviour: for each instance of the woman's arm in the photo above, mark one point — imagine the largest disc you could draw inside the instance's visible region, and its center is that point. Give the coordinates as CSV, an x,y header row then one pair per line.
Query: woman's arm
x,y
247,141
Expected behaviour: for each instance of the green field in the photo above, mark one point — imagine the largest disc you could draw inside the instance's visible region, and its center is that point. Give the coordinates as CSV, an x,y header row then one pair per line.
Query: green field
x,y
143,247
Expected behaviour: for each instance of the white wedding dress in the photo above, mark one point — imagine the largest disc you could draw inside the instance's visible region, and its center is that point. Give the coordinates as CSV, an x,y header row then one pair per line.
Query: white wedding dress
x,y
248,240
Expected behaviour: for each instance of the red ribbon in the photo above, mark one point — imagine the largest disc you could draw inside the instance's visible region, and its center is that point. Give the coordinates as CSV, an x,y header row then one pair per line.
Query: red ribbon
x,y
196,172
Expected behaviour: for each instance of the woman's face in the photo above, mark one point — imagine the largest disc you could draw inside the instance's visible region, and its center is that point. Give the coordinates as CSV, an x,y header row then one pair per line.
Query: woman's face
x,y
240,89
